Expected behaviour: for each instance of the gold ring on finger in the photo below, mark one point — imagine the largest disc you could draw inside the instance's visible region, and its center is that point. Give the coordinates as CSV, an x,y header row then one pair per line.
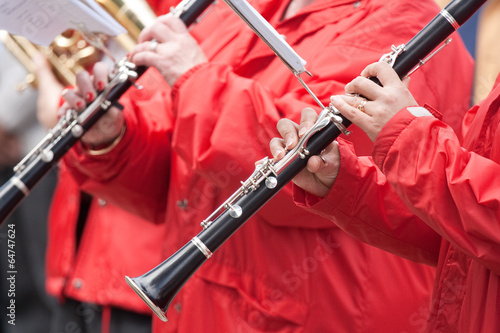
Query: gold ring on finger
x,y
361,106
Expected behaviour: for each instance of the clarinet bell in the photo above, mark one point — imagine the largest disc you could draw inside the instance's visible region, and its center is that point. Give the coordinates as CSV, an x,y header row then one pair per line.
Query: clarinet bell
x,y
142,291
159,286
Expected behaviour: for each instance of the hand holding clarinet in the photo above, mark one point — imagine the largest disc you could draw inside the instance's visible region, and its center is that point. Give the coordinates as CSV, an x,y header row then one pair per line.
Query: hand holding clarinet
x,y
165,45
370,114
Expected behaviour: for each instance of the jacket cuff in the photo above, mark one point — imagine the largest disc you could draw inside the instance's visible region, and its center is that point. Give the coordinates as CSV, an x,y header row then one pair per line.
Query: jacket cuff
x,y
394,128
340,195
79,159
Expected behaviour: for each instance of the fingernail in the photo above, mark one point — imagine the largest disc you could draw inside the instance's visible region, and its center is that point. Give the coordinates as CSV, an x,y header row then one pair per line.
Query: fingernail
x,y
100,85
89,97
302,131
79,105
289,142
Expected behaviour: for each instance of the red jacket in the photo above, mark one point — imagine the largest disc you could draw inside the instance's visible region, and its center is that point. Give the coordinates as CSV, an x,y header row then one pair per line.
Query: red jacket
x,y
286,270
113,243
464,208
452,188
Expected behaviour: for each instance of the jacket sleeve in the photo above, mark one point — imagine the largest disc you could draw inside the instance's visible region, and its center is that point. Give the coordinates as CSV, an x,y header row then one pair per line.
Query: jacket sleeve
x,y
365,205
453,190
123,176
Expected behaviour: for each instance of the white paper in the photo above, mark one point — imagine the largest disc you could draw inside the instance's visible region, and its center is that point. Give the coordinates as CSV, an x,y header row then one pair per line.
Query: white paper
x,y
268,34
41,21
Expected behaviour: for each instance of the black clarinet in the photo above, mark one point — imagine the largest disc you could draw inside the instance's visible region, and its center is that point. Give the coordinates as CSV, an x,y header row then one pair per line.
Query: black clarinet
x,y
159,286
72,125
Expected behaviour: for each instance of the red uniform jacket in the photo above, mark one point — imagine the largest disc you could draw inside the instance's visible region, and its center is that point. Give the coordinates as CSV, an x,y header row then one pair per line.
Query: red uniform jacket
x,y
108,249
113,243
285,270
451,187
455,190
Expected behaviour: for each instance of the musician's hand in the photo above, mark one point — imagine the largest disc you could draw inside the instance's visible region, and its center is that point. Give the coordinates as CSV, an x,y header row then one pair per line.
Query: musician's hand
x,y
110,125
320,173
383,102
173,52
49,92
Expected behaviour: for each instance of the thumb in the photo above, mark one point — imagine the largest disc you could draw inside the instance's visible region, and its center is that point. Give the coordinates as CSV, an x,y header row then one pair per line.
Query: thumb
x,y
49,91
406,81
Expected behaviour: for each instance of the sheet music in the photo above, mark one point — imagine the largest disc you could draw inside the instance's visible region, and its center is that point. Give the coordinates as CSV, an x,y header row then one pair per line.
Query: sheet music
x,y
269,35
41,21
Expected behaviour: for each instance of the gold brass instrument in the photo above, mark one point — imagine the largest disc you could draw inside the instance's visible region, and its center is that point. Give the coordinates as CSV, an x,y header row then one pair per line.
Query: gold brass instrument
x,y
67,55
70,52
133,15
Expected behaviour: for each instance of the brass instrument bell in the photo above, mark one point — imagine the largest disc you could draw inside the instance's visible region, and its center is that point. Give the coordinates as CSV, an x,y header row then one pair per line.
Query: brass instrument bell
x,y
69,53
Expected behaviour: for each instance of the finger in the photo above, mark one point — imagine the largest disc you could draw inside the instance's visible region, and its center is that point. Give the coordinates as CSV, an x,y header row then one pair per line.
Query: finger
x,y
277,146
308,118
357,102
63,109
150,46
159,30
149,59
327,163
332,153
314,164
289,132
406,81
85,86
259,162
318,177
383,71
363,86
73,98
350,112
147,33
174,23
101,74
